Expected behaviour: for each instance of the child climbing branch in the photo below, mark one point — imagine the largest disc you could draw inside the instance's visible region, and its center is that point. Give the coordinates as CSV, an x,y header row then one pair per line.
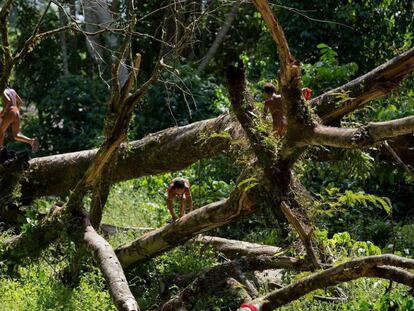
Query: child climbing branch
x,y
179,188
10,117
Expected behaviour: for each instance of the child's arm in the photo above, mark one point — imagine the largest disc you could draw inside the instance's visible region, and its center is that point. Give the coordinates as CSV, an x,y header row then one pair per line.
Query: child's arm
x,y
189,199
170,206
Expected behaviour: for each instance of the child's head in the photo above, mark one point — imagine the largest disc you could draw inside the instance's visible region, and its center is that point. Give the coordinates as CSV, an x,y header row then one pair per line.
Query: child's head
x,y
269,89
179,186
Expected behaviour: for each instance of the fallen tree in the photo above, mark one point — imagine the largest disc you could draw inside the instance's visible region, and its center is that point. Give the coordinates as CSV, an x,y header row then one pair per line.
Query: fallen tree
x,y
355,94
154,154
55,175
70,220
266,184
206,218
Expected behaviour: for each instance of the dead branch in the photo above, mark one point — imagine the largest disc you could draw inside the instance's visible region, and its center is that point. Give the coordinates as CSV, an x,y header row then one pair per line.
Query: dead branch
x,y
109,230
31,41
206,218
356,93
304,231
111,269
398,159
289,67
4,10
384,266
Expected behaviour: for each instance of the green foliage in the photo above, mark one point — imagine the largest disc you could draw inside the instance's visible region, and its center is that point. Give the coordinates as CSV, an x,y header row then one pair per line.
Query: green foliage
x,y
341,245
327,73
179,98
71,115
37,289
355,193
350,170
365,216
396,301
354,199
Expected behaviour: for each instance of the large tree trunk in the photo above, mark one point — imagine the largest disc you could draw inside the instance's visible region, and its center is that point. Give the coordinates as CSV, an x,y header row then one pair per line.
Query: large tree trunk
x,y
206,218
377,83
169,150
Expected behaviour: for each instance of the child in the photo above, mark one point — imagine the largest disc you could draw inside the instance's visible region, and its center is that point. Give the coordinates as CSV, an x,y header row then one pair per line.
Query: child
x,y
10,117
179,188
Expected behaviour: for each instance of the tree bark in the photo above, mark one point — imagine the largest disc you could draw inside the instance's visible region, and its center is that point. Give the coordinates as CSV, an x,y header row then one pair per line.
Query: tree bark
x,y
55,175
206,218
168,150
234,248
111,269
276,164
359,137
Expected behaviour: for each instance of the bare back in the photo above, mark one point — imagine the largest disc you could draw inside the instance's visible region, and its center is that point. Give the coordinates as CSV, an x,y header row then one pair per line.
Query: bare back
x,y
274,105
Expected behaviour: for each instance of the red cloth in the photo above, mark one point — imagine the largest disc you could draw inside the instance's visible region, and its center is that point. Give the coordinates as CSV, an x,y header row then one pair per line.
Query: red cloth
x,y
250,306
307,93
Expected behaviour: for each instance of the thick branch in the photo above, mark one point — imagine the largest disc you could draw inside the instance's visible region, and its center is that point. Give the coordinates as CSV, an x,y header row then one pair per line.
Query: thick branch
x,y
376,83
54,175
359,137
285,57
235,249
4,10
276,169
240,204
111,269
206,218
398,159
372,266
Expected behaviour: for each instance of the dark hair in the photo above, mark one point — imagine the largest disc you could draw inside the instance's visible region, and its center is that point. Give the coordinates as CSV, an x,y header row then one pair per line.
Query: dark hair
x,y
179,183
269,88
